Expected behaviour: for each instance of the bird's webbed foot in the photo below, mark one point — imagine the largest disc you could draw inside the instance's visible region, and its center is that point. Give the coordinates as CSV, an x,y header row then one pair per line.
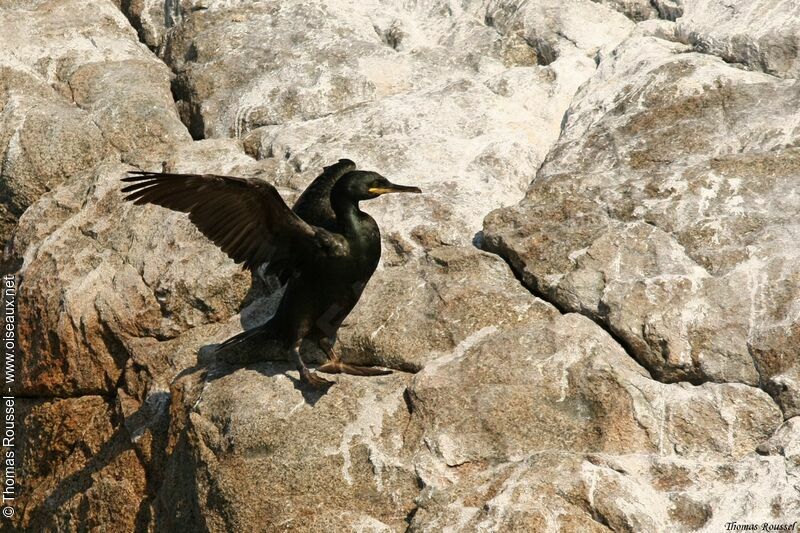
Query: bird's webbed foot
x,y
313,379
338,367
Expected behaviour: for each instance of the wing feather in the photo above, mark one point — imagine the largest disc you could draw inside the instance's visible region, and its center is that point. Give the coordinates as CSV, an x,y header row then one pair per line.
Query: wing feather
x,y
314,207
247,219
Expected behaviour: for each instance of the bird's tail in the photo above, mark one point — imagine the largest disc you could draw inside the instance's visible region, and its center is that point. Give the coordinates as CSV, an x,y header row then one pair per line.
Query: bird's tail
x,y
259,331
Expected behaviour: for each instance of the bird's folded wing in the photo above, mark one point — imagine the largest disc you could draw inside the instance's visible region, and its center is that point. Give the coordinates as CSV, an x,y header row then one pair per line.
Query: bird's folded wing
x,y
246,218
314,205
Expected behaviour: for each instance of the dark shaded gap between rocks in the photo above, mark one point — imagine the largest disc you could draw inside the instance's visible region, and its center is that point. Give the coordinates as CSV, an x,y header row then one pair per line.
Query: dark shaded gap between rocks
x,y
187,108
659,10
532,286
135,22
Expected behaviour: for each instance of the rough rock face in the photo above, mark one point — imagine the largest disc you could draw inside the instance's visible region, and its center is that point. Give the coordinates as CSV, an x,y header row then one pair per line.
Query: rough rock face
x,y
233,62
76,87
668,217
615,346
311,463
75,457
742,32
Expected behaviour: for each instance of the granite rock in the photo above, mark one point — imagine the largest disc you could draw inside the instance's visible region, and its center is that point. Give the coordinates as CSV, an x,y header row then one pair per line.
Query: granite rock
x,y
76,468
613,347
664,213
76,88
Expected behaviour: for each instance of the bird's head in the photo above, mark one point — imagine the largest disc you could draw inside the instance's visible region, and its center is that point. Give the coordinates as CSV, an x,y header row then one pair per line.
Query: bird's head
x,y
360,185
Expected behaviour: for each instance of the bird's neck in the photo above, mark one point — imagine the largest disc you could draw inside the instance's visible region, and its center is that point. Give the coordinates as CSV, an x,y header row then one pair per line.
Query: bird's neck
x,y
352,220
348,215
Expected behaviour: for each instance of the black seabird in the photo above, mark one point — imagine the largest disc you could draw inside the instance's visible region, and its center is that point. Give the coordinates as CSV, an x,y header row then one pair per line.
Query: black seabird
x,y
325,248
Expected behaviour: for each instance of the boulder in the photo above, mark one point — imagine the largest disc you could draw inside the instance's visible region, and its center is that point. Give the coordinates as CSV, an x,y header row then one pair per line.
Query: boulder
x,y
249,451
76,88
551,423
76,468
596,492
761,35
101,272
663,213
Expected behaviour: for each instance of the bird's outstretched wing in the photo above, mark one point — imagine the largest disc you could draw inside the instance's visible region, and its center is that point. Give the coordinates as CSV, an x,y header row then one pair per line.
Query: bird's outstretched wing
x,y
314,205
246,218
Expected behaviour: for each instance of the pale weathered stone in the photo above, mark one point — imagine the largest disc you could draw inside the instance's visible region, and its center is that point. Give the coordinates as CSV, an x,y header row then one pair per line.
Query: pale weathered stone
x,y
667,217
232,79
497,433
784,442
568,386
249,451
760,34
75,85
44,140
641,10
654,390
554,491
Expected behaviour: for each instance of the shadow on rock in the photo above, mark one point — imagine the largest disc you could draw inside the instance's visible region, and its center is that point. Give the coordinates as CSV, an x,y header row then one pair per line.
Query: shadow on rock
x,y
268,358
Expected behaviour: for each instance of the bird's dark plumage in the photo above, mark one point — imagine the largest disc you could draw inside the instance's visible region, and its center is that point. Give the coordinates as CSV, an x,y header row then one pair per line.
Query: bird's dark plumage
x,y
247,219
325,248
314,205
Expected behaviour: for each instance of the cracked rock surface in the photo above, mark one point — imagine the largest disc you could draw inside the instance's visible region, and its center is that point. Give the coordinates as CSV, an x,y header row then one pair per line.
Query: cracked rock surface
x,y
665,212
591,312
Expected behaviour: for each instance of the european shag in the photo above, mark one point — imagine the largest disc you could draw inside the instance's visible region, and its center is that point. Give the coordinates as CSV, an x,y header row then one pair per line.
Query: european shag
x,y
325,249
